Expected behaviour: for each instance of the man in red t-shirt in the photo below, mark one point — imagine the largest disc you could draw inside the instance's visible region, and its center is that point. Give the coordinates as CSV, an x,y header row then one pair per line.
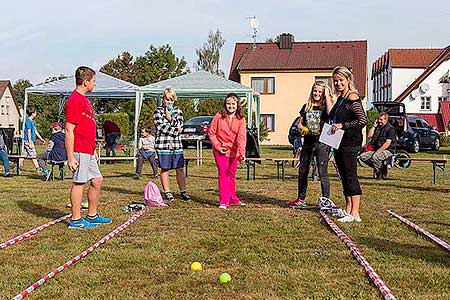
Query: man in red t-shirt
x,y
81,157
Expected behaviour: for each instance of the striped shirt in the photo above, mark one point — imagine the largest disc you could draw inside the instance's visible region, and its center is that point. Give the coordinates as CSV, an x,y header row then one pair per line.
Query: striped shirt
x,y
167,135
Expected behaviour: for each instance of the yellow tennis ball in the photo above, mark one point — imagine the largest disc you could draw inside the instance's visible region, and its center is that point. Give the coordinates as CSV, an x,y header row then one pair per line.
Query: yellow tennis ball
x,y
305,130
196,266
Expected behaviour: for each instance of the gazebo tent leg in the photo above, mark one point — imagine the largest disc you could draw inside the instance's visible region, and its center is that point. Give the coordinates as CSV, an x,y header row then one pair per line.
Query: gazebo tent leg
x,y
137,112
25,104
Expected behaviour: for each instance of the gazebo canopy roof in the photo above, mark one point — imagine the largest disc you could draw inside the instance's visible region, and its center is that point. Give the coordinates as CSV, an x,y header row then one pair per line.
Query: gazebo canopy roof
x,y
200,84
106,87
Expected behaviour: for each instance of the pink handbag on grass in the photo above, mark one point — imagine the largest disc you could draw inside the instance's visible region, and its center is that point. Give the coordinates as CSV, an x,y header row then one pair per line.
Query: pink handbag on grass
x,y
152,195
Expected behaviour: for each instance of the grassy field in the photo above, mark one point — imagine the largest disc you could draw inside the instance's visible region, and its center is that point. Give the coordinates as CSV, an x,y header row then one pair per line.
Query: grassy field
x,y
270,251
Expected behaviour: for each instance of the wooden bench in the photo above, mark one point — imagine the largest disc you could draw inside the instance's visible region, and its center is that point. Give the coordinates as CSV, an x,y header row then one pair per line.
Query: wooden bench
x,y
438,164
281,162
15,158
187,159
251,165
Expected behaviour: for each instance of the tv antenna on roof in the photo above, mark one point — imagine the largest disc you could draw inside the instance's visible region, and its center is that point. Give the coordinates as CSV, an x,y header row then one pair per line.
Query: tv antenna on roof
x,y
254,24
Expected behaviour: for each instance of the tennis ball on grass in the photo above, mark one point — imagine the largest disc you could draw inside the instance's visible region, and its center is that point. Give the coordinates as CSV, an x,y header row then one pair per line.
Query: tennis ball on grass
x,y
196,266
224,278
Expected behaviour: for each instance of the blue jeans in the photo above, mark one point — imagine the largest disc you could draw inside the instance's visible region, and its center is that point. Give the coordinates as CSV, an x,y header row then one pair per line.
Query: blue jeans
x,y
111,142
4,158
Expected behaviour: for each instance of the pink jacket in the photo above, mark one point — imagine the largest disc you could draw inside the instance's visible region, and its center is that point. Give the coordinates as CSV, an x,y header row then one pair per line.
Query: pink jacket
x,y
231,136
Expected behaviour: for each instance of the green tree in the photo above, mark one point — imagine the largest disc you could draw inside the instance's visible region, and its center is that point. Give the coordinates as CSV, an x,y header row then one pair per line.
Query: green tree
x,y
19,89
121,67
159,64
209,54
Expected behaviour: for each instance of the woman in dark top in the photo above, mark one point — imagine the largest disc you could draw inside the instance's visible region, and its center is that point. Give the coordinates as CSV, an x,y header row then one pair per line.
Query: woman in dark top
x,y
348,114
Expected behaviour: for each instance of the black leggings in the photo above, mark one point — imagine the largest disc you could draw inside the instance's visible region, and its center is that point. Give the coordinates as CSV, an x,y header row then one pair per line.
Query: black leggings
x,y
347,165
307,154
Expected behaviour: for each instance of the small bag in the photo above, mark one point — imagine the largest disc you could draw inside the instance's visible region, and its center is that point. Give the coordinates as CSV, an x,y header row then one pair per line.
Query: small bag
x,y
152,195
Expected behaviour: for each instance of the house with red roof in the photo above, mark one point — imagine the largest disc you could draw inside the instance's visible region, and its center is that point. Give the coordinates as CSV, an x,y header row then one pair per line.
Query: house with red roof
x,y
283,73
419,79
9,111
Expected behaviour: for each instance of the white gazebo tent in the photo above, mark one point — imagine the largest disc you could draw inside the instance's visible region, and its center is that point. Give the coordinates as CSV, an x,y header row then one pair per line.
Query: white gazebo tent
x,y
107,87
198,85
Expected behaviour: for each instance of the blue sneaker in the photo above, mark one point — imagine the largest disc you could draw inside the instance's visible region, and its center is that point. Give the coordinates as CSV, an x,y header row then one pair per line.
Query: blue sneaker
x,y
81,224
98,220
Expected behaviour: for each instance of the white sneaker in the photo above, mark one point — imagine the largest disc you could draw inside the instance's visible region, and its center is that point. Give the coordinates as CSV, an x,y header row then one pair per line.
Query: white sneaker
x,y
357,219
223,206
348,218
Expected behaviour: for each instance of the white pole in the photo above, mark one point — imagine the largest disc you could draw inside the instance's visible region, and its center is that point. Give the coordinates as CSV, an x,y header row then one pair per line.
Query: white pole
x,y
137,112
25,104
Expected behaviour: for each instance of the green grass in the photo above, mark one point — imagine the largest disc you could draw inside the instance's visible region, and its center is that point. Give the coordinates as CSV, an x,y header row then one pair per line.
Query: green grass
x,y
270,251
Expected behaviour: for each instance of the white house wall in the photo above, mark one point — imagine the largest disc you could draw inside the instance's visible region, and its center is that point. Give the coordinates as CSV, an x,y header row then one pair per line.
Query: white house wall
x,y
402,78
11,120
436,90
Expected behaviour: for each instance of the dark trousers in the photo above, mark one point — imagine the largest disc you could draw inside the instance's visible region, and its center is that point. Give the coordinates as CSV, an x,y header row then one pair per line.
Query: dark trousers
x,y
140,162
346,161
320,151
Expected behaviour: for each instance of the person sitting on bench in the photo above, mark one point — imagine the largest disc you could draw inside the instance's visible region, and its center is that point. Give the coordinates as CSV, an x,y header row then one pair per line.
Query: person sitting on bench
x,y
55,152
383,142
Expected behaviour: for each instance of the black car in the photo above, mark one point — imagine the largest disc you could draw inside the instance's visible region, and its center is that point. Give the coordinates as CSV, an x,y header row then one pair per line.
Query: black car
x,y
195,127
413,132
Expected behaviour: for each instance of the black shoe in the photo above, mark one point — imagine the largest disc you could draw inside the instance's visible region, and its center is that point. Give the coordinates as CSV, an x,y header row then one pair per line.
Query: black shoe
x,y
8,175
136,177
185,196
169,196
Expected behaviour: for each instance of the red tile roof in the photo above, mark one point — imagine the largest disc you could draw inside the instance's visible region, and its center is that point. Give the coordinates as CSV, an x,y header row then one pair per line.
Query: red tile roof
x,y
405,58
434,120
302,56
444,110
443,56
3,85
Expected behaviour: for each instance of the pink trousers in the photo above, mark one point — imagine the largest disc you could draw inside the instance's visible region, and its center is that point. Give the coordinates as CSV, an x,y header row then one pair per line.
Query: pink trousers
x,y
226,169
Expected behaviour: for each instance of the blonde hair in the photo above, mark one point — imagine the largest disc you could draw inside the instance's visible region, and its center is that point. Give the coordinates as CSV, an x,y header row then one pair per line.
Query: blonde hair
x,y
170,94
310,103
347,74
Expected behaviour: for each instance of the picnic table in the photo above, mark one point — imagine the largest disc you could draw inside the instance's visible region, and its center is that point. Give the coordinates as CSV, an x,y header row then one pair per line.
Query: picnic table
x,y
199,147
437,163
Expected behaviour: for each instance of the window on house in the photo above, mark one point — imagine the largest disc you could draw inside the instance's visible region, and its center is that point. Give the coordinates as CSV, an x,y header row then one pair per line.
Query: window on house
x,y
3,109
326,79
425,103
268,120
263,85
443,98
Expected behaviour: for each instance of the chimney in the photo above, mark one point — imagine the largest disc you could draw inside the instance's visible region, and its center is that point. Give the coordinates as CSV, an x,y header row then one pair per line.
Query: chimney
x,y
285,41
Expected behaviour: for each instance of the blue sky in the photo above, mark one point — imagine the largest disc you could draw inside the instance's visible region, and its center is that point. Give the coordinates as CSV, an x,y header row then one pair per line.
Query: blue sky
x,y
43,38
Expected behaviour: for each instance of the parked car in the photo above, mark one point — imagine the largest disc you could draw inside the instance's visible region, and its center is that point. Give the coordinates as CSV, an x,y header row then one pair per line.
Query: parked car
x,y
195,127
293,131
413,132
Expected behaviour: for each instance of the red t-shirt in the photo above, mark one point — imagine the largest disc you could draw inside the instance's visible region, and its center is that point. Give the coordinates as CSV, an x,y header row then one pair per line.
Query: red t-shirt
x,y
79,111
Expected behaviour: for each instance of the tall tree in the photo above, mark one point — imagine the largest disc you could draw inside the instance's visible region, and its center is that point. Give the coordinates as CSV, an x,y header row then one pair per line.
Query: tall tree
x,y
19,89
121,67
209,54
159,64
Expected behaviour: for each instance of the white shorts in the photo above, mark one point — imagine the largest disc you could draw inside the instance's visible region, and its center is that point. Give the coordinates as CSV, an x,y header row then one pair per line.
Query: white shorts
x,y
87,168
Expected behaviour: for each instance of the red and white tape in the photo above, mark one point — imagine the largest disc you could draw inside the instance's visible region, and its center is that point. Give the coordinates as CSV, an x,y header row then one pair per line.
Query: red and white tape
x,y
376,279
419,230
25,235
77,258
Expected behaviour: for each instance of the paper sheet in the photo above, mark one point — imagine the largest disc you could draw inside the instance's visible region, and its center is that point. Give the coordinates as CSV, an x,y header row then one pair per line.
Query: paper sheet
x,y
330,139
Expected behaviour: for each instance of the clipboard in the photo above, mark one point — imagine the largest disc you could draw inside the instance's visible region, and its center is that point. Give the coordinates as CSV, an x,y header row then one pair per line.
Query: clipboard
x,y
330,139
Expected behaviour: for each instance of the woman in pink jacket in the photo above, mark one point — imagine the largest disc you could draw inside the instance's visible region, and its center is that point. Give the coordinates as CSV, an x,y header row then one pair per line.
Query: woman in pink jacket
x,y
228,138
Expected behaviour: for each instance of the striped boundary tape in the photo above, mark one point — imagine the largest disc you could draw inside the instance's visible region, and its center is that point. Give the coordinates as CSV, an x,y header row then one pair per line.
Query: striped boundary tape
x,y
376,279
31,232
77,258
419,230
